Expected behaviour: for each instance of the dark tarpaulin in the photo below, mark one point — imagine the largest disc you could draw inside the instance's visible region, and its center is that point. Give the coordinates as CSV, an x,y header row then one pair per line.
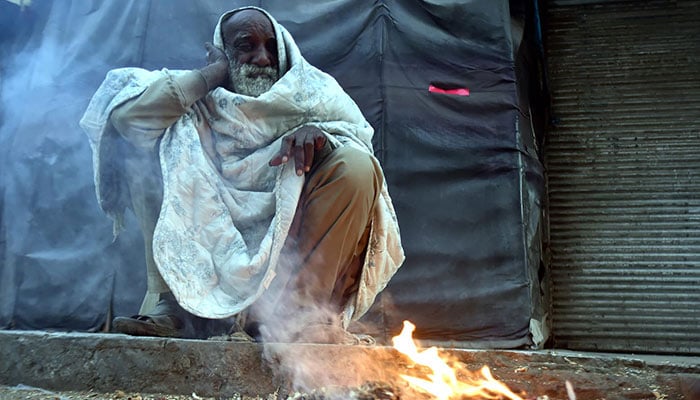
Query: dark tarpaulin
x,y
465,187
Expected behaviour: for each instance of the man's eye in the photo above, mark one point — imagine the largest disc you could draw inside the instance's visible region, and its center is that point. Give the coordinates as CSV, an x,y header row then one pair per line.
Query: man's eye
x,y
244,46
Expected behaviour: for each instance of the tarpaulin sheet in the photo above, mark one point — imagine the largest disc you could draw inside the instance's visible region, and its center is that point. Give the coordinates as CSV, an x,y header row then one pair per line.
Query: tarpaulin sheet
x,y
436,79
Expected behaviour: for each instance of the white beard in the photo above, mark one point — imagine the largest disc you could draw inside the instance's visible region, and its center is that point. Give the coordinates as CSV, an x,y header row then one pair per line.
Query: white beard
x,y
251,80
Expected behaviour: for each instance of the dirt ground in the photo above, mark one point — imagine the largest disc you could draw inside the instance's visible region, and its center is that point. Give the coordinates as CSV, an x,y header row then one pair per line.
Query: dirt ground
x,y
591,388
540,382
31,393
372,392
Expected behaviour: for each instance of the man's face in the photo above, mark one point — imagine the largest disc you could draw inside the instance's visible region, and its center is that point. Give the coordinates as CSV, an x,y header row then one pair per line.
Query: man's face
x,y
251,47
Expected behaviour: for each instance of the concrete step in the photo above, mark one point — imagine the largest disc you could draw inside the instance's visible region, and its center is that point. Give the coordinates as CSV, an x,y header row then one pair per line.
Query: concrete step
x,y
224,369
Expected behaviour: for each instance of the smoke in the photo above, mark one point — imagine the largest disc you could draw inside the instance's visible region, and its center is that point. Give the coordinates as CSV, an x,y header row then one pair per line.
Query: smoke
x,y
308,368
301,333
335,371
55,238
316,364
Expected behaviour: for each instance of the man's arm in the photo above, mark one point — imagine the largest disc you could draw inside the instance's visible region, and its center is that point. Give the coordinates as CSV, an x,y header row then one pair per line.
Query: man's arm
x,y
143,119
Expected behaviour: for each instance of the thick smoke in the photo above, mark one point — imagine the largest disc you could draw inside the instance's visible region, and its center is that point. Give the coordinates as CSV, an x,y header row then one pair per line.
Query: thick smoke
x,y
296,328
308,365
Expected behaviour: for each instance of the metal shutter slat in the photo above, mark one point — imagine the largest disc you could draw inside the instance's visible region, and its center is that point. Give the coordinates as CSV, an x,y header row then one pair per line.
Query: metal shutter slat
x,y
623,175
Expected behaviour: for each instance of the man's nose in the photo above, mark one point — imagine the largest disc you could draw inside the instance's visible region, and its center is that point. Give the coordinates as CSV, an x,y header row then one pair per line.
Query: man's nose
x,y
263,58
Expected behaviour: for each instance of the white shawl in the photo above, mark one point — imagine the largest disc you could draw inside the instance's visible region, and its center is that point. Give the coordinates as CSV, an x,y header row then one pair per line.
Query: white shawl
x,y
219,234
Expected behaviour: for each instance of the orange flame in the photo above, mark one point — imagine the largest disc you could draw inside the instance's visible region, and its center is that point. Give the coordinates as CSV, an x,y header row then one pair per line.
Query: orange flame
x,y
443,382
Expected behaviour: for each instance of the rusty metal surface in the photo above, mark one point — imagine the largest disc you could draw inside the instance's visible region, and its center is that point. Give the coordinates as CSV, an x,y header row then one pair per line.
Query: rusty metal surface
x,y
623,168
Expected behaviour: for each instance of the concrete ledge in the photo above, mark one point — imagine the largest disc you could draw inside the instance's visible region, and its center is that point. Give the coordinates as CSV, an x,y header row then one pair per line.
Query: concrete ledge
x,y
108,362
105,362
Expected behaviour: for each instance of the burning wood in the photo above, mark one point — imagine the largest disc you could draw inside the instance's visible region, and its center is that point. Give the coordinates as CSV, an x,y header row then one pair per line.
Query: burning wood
x,y
451,380
429,375
443,381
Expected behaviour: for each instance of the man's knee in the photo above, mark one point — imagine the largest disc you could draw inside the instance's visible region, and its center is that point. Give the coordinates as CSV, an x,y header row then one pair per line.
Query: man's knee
x,y
355,169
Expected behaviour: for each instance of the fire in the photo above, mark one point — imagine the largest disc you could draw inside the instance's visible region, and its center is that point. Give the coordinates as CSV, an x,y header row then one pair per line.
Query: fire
x,y
443,382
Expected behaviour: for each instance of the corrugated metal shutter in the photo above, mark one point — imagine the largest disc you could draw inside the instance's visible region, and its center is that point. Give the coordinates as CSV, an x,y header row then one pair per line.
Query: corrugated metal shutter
x,y
623,167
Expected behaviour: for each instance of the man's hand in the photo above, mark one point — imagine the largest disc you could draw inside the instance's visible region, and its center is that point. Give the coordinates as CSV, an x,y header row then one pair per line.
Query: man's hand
x,y
216,71
302,145
215,55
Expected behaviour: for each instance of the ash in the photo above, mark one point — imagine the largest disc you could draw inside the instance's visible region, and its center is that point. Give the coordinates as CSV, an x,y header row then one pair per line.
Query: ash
x,y
368,391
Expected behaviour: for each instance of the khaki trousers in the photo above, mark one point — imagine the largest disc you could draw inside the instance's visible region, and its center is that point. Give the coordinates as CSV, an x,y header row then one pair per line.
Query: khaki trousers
x,y
322,259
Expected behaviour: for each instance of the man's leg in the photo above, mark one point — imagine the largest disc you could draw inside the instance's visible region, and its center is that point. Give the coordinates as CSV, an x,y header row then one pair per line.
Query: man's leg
x,y
143,176
321,262
160,315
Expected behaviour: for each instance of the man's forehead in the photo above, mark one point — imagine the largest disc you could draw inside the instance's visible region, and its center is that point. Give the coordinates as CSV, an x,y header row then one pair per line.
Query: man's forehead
x,y
247,21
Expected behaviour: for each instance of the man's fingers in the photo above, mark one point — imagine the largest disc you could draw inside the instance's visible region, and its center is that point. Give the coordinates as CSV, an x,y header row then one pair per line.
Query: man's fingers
x,y
299,157
283,155
214,54
302,146
209,48
279,159
308,152
319,142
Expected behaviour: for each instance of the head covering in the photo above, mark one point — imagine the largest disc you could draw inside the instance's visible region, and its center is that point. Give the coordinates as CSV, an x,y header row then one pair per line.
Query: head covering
x,y
282,64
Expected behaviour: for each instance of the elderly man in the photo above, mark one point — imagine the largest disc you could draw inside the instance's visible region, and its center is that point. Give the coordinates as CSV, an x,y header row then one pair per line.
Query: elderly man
x,y
255,185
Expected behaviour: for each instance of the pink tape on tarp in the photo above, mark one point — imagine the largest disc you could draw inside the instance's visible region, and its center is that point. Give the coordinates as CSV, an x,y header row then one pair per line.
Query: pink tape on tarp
x,y
457,92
